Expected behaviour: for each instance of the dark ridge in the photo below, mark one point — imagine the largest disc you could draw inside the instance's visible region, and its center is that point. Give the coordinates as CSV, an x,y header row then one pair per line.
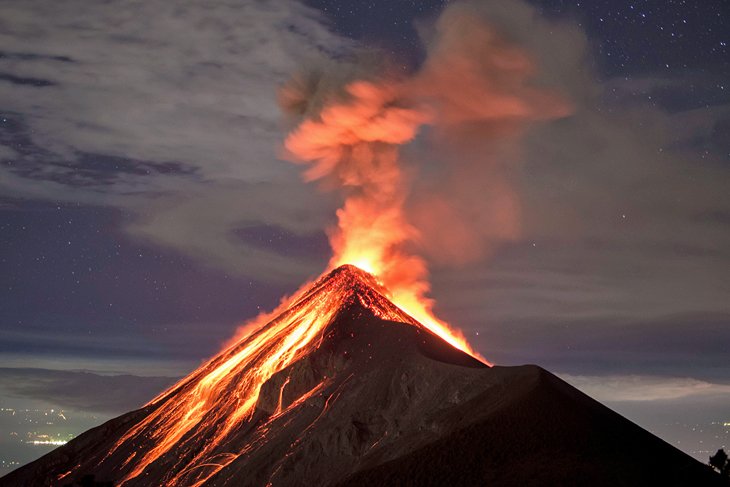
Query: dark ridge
x,y
437,349
551,435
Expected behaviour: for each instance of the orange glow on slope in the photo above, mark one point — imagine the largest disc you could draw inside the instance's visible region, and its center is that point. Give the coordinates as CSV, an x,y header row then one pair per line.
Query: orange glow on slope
x,y
222,394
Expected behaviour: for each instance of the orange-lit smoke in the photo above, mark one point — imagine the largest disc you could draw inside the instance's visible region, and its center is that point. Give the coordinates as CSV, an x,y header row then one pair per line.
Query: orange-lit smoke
x,y
473,86
355,144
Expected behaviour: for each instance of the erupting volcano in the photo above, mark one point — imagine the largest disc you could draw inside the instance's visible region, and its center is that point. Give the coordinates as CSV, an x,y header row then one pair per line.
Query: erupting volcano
x,y
345,388
353,380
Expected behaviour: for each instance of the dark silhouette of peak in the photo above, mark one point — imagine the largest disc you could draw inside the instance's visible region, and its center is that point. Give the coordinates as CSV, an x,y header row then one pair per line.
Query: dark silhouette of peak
x,y
362,394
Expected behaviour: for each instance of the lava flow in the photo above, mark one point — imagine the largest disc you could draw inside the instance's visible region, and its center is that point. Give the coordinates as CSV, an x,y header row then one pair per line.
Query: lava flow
x,y
221,396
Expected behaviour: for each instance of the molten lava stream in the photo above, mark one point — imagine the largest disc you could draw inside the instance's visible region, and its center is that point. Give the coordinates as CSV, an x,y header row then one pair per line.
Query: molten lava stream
x,y
225,390
222,394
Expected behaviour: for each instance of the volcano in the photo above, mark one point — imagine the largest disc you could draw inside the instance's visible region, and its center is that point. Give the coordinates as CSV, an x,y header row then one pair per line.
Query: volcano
x,y
345,389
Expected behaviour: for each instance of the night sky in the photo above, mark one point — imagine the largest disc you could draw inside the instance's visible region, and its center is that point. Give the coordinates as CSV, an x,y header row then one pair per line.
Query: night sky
x,y
146,210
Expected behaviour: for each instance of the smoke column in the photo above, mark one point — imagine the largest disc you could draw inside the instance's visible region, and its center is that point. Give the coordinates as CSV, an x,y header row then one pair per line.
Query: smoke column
x,y
474,92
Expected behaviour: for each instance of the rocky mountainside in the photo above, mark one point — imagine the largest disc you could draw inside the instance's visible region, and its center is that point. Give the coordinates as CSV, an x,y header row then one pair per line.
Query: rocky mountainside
x,y
362,395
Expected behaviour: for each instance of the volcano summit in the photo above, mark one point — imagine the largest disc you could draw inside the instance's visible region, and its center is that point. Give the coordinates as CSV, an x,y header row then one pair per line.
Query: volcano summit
x,y
344,388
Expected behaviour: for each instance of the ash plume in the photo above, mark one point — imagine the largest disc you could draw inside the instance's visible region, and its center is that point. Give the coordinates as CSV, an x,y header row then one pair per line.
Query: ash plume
x,y
472,98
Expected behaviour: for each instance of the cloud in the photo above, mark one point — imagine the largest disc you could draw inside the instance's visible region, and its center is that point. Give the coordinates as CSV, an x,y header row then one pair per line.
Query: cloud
x,y
153,81
83,391
149,105
208,223
644,388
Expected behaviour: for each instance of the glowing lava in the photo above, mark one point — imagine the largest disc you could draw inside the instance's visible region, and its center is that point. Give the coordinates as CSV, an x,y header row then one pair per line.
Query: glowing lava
x,y
220,397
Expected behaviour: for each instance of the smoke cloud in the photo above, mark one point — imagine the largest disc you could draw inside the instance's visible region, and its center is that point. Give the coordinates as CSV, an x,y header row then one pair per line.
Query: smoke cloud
x,y
481,86
472,99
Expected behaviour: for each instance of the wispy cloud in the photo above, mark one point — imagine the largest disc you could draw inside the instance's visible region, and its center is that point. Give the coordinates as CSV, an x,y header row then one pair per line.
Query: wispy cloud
x,y
167,110
80,390
644,388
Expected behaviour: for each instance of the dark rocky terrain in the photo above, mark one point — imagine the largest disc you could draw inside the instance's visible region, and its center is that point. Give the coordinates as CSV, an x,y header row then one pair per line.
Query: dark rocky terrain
x,y
385,402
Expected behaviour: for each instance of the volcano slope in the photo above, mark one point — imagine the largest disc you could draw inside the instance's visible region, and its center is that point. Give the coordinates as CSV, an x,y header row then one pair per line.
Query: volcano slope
x,y
369,398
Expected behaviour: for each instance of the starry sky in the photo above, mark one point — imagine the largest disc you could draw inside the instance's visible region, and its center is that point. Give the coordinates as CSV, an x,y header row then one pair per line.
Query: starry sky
x,y
146,211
